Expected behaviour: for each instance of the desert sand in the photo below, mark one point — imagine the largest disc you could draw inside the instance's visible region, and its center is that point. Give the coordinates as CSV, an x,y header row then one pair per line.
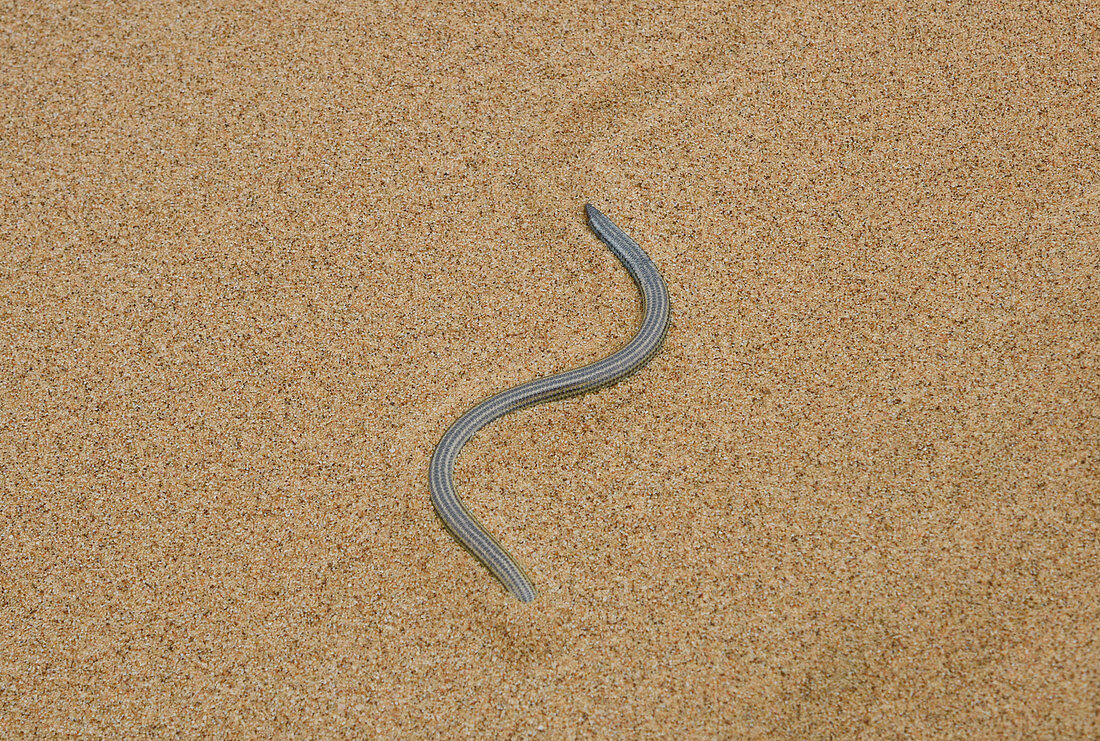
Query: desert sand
x,y
256,258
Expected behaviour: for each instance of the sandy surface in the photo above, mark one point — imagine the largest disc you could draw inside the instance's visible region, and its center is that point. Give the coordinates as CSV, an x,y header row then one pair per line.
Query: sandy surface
x,y
256,260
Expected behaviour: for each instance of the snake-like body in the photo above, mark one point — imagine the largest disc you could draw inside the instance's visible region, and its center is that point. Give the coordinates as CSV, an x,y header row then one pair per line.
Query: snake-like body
x,y
636,353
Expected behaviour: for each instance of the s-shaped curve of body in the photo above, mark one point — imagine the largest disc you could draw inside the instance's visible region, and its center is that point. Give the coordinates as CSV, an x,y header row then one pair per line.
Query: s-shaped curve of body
x,y
636,353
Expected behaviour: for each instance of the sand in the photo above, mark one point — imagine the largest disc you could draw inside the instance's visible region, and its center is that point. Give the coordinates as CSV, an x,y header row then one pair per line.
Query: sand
x,y
256,259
